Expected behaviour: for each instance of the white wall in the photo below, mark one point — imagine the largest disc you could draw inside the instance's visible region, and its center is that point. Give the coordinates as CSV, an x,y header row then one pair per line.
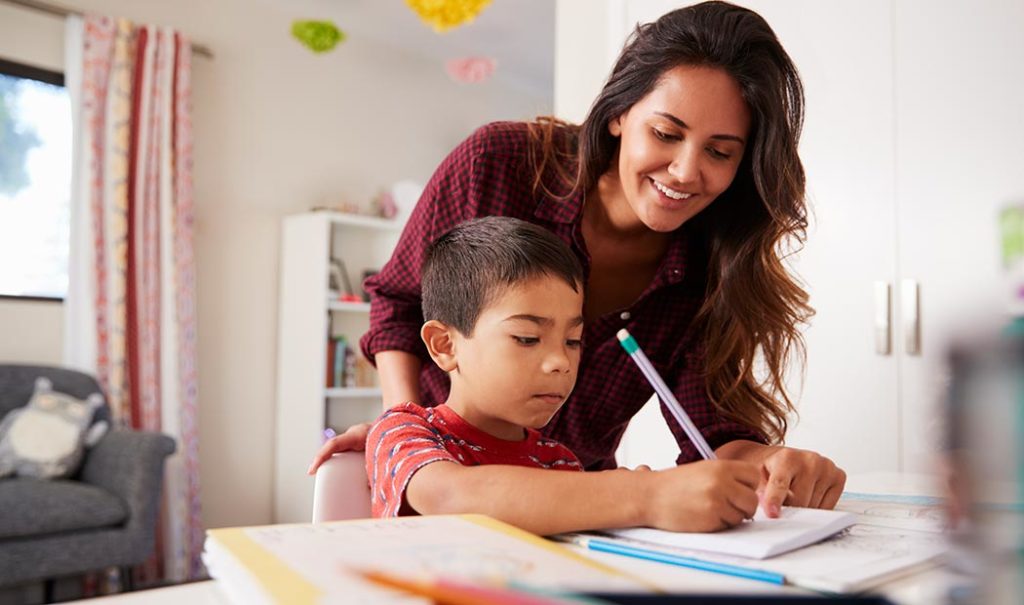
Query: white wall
x,y
277,130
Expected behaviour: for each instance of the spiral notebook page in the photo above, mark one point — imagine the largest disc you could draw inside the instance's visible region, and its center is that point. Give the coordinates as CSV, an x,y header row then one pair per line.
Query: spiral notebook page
x,y
757,539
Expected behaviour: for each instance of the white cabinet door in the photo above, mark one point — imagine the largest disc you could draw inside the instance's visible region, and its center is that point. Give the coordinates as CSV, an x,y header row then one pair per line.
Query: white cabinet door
x,y
848,403
960,157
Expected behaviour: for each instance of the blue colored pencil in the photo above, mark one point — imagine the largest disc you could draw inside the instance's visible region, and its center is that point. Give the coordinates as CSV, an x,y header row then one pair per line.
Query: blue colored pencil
x,y
630,345
618,548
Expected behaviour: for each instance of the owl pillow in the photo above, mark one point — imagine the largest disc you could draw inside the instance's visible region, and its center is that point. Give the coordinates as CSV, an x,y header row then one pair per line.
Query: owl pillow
x,y
46,437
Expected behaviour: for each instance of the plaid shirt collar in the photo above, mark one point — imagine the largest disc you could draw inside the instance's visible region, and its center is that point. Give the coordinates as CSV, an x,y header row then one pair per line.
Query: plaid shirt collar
x,y
568,211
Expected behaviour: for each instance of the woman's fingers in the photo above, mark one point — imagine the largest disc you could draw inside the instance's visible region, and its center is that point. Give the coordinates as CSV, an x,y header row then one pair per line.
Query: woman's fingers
x,y
354,438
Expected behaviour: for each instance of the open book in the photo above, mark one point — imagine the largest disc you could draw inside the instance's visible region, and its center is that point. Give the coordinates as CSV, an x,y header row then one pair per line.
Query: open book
x,y
757,539
307,564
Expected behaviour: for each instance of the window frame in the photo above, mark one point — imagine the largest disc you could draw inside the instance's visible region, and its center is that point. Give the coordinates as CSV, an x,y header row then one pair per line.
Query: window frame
x,y
46,76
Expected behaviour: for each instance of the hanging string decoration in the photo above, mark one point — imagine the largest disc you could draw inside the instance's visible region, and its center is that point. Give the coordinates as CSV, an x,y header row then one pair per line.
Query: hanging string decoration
x,y
470,70
317,36
443,15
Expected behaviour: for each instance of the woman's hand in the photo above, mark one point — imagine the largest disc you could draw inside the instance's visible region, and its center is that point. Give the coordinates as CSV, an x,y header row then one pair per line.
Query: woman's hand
x,y
354,438
701,496
790,476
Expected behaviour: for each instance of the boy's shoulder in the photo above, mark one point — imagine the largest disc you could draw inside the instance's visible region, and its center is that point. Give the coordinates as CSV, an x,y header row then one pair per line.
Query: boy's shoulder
x,y
410,414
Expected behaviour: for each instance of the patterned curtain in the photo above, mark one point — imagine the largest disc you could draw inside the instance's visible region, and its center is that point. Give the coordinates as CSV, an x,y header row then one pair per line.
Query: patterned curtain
x,y
130,311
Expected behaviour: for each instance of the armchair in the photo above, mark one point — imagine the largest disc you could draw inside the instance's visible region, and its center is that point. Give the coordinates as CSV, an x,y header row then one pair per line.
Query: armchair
x,y
102,517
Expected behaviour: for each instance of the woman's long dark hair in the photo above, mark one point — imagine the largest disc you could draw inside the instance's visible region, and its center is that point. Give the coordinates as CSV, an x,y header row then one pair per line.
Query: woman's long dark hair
x,y
754,307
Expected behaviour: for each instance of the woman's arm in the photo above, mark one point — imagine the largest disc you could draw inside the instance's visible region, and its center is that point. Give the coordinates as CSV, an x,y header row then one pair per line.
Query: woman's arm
x,y
703,496
399,374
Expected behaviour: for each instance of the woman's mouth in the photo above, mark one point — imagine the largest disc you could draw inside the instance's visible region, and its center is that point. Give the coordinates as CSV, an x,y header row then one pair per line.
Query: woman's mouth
x,y
670,193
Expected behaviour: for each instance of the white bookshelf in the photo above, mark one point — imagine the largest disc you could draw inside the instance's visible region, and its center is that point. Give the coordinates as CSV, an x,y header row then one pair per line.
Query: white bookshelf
x,y
351,307
305,405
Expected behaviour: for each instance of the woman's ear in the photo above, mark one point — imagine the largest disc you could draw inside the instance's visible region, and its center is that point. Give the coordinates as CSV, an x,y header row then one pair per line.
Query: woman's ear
x,y
440,342
615,126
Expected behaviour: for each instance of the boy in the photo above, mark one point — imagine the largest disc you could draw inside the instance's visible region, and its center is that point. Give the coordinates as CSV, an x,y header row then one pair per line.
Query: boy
x,y
503,305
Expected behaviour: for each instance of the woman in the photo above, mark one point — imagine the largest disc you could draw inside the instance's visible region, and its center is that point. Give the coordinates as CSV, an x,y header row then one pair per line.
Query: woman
x,y
677,192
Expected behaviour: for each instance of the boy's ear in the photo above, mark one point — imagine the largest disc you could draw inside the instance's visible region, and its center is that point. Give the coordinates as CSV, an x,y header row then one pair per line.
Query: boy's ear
x,y
440,344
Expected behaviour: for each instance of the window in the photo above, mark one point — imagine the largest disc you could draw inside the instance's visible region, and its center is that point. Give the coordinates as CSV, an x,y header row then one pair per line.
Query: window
x,y
35,182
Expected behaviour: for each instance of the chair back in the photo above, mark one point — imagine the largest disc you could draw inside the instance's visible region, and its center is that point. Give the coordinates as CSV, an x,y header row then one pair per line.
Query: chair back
x,y
341,490
17,382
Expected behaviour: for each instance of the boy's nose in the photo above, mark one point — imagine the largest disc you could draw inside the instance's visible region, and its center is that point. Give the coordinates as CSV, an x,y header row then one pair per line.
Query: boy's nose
x,y
557,361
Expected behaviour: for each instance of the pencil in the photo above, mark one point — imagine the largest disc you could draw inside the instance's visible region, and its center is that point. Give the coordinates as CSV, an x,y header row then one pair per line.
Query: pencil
x,y
619,548
664,393
444,591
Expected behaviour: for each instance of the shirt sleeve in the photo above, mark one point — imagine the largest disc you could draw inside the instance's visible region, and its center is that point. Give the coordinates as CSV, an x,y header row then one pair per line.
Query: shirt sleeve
x,y
717,430
396,314
399,444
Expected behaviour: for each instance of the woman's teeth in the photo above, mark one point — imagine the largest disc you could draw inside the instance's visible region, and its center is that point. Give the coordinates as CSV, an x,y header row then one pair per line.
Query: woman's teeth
x,y
676,195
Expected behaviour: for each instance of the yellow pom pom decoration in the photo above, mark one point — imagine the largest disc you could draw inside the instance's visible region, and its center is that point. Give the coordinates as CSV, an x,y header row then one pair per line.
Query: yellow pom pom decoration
x,y
443,15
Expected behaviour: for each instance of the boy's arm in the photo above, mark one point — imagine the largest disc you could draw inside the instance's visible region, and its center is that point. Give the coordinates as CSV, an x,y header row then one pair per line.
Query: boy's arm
x,y
703,496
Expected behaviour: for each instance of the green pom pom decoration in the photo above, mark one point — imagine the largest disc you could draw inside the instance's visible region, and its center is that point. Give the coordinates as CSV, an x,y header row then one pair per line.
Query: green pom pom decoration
x,y
317,36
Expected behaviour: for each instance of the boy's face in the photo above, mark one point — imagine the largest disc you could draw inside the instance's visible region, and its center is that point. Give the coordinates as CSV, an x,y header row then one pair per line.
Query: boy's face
x,y
519,366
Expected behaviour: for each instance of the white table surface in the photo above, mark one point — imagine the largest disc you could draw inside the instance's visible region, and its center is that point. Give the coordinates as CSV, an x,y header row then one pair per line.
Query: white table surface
x,y
923,588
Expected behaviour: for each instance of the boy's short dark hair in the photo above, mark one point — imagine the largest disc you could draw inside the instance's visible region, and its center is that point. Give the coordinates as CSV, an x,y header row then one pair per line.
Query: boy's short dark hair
x,y
465,268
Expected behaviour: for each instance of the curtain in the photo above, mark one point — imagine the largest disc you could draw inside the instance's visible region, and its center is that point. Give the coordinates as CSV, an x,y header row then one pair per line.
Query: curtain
x,y
130,309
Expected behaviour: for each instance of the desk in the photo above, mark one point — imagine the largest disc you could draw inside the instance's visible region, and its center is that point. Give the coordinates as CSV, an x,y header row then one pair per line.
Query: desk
x,y
924,588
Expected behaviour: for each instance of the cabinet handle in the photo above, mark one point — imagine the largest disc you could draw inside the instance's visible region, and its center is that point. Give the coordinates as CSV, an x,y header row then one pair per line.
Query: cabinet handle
x,y
911,317
883,317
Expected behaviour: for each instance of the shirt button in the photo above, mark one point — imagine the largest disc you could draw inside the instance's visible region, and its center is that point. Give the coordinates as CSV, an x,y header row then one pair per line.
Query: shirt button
x,y
624,316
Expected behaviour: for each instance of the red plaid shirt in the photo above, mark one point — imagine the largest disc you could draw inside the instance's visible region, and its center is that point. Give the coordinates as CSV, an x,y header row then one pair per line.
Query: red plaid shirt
x,y
489,174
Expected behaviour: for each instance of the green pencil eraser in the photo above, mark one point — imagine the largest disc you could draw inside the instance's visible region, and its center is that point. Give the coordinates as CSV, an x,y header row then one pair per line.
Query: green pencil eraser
x,y
627,341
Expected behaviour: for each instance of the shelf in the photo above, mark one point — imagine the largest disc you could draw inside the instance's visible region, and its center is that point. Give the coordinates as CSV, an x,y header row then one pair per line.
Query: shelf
x,y
353,307
352,392
370,222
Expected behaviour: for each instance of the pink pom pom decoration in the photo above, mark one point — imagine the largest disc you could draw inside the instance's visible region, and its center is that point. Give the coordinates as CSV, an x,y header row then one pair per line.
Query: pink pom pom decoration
x,y
470,70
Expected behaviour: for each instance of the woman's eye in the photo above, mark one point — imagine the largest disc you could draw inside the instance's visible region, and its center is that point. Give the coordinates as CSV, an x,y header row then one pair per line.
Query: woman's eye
x,y
718,154
664,136
575,343
526,340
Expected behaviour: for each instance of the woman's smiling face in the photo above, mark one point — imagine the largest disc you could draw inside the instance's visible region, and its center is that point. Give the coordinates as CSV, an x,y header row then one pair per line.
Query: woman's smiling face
x,y
679,147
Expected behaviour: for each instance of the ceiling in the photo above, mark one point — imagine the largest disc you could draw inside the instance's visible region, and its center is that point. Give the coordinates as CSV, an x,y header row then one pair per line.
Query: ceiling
x,y
519,34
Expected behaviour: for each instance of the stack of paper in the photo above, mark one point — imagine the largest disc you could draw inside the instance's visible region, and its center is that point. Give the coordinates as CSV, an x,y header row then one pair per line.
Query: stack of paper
x,y
888,538
306,564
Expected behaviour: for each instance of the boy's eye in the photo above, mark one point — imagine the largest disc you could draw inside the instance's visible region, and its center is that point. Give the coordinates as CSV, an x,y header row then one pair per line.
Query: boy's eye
x,y
664,136
575,343
526,340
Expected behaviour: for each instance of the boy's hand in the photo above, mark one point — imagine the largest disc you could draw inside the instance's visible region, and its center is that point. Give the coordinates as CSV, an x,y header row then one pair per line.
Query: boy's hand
x,y
702,496
354,438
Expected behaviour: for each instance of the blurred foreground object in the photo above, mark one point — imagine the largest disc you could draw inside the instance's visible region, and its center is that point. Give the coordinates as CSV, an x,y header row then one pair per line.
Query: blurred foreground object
x,y
986,421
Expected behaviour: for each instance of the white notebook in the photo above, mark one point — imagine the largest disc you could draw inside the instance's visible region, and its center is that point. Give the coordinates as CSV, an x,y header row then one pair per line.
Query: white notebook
x,y
757,539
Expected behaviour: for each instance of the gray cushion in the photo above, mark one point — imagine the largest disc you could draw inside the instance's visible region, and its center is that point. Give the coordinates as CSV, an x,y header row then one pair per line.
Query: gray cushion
x,y
39,506
18,381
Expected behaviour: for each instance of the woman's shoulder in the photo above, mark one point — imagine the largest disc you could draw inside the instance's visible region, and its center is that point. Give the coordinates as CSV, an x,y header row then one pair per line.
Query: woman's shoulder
x,y
516,138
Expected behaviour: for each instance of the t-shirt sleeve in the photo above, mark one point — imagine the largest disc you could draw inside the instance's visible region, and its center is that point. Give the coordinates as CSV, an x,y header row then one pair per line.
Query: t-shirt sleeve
x,y
399,443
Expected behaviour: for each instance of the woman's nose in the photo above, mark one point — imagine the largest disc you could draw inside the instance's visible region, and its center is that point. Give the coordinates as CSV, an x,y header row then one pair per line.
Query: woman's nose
x,y
685,166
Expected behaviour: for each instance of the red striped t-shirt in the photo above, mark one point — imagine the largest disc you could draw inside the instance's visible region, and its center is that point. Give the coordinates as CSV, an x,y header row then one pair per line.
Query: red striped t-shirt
x,y
408,437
